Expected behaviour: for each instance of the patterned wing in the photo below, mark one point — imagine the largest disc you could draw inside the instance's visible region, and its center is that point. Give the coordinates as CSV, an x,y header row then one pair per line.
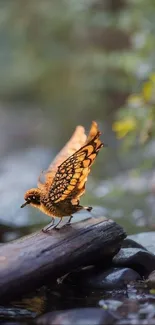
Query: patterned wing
x,y
69,181
77,140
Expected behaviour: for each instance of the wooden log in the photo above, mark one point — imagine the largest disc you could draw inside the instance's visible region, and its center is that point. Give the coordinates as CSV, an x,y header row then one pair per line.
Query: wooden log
x,y
31,260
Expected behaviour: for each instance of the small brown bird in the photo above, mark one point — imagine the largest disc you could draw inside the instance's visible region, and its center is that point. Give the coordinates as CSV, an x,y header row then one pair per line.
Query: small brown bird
x,y
65,178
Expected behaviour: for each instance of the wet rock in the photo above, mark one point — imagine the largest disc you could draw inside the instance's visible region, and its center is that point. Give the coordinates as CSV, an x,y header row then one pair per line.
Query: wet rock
x,y
140,260
151,280
113,278
79,316
130,243
146,239
12,313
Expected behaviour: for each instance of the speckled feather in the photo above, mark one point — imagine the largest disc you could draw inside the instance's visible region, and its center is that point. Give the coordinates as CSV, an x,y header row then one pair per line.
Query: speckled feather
x,y
66,177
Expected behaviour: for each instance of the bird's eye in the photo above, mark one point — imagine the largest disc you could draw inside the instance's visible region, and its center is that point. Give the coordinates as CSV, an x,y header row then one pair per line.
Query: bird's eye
x,y
33,198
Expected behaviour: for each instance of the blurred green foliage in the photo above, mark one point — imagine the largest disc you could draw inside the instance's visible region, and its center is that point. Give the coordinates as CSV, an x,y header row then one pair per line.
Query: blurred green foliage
x,y
138,117
83,56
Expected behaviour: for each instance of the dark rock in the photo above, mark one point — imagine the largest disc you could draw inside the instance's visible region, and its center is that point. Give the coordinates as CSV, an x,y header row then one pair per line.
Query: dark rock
x,y
140,260
130,243
112,278
151,280
80,316
146,239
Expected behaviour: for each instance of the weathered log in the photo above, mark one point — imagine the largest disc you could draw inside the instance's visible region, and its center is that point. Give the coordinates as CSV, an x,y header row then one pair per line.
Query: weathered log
x,y
29,261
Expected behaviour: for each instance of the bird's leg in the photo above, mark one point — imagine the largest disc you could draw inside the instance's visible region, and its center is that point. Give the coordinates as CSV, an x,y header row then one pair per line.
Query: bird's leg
x,y
55,227
49,226
69,221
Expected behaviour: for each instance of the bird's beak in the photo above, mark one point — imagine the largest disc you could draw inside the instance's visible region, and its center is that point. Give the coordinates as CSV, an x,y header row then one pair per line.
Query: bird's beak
x,y
24,204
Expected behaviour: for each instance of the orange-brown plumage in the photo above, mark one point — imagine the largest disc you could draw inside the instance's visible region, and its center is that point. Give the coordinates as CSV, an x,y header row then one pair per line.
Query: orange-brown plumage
x,y
66,177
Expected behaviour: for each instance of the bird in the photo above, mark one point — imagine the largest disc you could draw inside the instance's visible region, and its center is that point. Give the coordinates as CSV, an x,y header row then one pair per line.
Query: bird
x,y
66,177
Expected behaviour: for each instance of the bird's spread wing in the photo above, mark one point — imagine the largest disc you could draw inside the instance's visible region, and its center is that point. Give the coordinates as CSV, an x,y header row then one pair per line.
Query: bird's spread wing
x,y
77,140
71,176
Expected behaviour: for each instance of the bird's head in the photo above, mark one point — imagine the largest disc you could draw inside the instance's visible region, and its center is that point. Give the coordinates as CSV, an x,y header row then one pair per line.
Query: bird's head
x,y
32,197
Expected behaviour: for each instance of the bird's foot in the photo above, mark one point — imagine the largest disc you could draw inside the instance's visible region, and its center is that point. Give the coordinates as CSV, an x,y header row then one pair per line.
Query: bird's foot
x,y
69,221
49,227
